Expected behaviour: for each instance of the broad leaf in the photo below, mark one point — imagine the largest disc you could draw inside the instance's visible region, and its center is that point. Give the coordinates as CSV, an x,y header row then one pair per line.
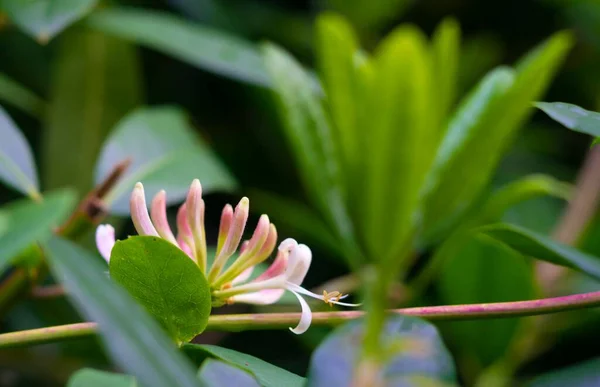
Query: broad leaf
x,y
199,46
17,168
475,270
25,222
165,154
310,136
399,146
481,130
166,281
95,82
541,247
573,117
133,339
18,96
216,373
414,352
88,377
584,374
43,19
267,374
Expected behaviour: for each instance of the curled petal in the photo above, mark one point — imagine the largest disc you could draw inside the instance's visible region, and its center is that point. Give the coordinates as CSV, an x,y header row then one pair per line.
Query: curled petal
x,y
305,318
298,264
288,245
277,268
262,297
244,276
158,214
296,288
105,240
139,212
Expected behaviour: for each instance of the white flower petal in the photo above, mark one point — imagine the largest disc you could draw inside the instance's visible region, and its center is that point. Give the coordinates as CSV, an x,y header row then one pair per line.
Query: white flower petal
x,y
105,240
306,317
298,264
262,297
295,288
243,277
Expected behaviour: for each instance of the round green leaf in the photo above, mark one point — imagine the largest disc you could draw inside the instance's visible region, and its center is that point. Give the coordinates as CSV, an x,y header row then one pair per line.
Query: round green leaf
x,y
415,349
166,282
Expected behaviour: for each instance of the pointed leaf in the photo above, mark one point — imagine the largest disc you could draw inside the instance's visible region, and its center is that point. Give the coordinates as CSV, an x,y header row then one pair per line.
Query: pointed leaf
x,y
17,168
310,137
43,19
583,374
163,279
24,222
482,129
165,154
18,96
400,143
133,339
267,374
538,246
202,47
415,352
573,117
95,82
88,377
216,373
475,270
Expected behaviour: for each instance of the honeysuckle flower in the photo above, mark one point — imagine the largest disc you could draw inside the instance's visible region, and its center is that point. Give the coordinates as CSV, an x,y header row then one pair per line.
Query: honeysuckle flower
x,y
229,282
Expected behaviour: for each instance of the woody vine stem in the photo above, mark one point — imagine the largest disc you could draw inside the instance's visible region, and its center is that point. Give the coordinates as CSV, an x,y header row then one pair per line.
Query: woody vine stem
x,y
239,322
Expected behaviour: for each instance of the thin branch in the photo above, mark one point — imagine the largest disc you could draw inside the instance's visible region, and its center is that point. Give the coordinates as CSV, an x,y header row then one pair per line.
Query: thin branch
x,y
241,322
47,292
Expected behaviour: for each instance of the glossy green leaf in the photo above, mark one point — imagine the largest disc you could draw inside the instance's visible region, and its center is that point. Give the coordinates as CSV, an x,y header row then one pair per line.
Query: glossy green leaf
x,y
165,281
480,131
400,143
17,95
310,136
17,168
200,46
88,377
24,222
584,374
95,82
135,342
573,117
541,247
43,19
476,270
217,373
445,56
267,374
337,52
165,153
414,351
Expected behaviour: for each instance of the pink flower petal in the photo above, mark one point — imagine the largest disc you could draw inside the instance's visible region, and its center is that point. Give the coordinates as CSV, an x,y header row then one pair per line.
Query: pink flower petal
x,y
244,276
139,212
105,240
158,214
262,297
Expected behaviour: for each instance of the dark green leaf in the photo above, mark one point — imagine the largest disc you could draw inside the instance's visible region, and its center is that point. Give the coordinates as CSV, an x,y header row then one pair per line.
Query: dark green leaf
x,y
165,154
25,222
216,373
88,377
370,15
199,46
482,129
95,82
133,339
310,137
573,117
400,144
166,281
583,374
43,19
17,168
475,270
414,351
541,247
18,96
267,374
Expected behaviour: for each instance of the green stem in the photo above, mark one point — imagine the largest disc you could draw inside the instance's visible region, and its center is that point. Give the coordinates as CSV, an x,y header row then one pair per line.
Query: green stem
x,y
241,322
